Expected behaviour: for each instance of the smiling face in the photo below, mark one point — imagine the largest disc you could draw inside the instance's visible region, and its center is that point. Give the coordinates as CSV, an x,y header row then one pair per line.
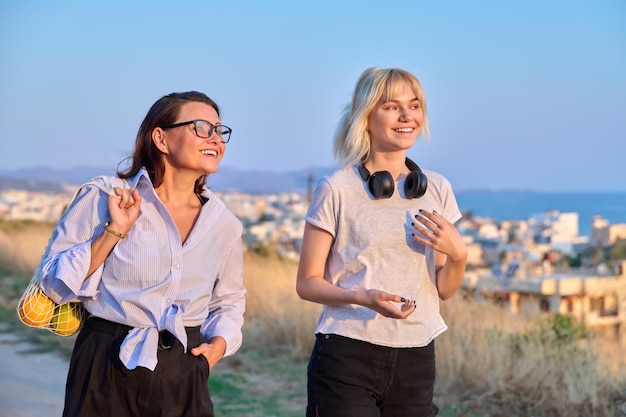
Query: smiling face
x,y
395,123
183,149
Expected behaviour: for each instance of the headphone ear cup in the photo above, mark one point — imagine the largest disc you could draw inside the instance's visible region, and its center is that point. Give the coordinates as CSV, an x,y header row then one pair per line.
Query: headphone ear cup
x,y
381,184
415,184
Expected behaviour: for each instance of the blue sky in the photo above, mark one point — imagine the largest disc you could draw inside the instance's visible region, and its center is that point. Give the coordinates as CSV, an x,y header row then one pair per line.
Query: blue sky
x,y
520,95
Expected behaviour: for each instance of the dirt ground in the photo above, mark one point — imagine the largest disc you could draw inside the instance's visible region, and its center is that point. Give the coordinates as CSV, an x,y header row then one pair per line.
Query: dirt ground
x,y
32,384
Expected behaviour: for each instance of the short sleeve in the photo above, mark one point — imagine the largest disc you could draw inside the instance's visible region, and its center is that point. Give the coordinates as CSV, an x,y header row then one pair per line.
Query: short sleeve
x,y
322,211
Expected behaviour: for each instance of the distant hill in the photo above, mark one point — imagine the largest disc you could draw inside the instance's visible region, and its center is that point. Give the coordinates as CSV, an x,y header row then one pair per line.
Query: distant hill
x,y
34,185
226,179
74,175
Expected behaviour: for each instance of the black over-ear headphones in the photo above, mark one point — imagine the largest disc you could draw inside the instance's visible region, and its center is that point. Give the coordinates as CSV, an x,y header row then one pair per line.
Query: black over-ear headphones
x,y
381,183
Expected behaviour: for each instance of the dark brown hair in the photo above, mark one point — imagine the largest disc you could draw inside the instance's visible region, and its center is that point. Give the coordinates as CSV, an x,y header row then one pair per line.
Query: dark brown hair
x,y
163,112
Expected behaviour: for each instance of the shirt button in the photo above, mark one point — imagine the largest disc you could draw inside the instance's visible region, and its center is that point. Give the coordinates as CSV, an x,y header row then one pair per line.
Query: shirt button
x,y
176,266
169,301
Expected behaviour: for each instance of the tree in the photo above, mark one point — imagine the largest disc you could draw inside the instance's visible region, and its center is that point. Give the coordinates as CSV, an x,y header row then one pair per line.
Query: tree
x,y
617,251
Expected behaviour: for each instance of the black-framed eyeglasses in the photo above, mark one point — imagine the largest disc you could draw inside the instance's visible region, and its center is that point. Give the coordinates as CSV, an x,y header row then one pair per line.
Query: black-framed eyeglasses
x,y
205,129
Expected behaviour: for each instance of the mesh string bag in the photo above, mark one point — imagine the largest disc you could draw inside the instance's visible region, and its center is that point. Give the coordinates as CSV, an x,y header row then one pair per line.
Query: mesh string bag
x,y
36,309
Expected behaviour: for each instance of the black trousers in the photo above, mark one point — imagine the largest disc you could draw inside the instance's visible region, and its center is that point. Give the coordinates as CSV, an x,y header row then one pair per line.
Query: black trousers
x,y
353,378
98,384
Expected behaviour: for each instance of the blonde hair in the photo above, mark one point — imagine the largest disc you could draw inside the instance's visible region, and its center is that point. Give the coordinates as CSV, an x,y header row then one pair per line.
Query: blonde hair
x,y
375,86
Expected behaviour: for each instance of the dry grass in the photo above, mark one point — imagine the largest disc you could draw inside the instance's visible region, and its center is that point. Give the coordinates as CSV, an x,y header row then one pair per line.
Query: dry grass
x,y
274,313
22,245
489,361
548,366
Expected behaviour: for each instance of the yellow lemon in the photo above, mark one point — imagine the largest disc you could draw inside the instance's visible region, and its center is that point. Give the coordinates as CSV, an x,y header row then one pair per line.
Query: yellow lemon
x,y
65,321
36,309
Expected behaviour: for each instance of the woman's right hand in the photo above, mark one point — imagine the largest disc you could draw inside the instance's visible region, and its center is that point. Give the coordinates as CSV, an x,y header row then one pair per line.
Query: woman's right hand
x,y
383,303
311,285
124,209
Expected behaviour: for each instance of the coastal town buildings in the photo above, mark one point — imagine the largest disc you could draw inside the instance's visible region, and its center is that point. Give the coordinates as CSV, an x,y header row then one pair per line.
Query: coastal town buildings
x,y
277,221
35,206
604,234
517,262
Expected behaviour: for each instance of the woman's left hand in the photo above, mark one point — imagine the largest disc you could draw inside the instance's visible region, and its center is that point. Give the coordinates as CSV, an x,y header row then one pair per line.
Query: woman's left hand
x,y
212,351
436,232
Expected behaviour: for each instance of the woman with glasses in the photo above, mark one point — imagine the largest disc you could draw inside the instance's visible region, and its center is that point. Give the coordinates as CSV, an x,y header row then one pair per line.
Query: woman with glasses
x,y
379,252
159,267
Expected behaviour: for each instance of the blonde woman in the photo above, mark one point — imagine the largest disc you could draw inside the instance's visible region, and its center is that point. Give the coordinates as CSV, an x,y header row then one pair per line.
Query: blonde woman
x,y
380,250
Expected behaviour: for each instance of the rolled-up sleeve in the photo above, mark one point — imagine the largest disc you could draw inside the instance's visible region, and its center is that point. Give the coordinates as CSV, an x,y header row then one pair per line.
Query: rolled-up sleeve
x,y
228,302
67,258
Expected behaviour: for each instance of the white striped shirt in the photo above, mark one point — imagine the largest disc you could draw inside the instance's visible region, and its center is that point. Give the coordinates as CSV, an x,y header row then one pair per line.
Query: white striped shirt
x,y
150,281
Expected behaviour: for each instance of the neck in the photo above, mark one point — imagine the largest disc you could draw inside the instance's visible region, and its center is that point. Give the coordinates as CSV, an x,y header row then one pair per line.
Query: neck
x,y
177,189
395,164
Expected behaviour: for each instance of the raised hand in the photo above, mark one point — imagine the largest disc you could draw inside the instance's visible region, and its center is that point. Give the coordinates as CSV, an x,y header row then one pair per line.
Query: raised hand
x,y
124,209
436,232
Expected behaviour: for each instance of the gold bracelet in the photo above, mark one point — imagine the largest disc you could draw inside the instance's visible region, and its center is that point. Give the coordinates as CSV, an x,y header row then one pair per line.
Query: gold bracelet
x,y
116,233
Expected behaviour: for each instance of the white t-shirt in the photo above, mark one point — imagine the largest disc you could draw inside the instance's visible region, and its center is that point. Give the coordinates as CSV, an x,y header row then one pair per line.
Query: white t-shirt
x,y
373,249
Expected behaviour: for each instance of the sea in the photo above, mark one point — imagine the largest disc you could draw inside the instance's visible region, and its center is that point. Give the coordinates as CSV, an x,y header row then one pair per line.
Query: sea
x,y
521,205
